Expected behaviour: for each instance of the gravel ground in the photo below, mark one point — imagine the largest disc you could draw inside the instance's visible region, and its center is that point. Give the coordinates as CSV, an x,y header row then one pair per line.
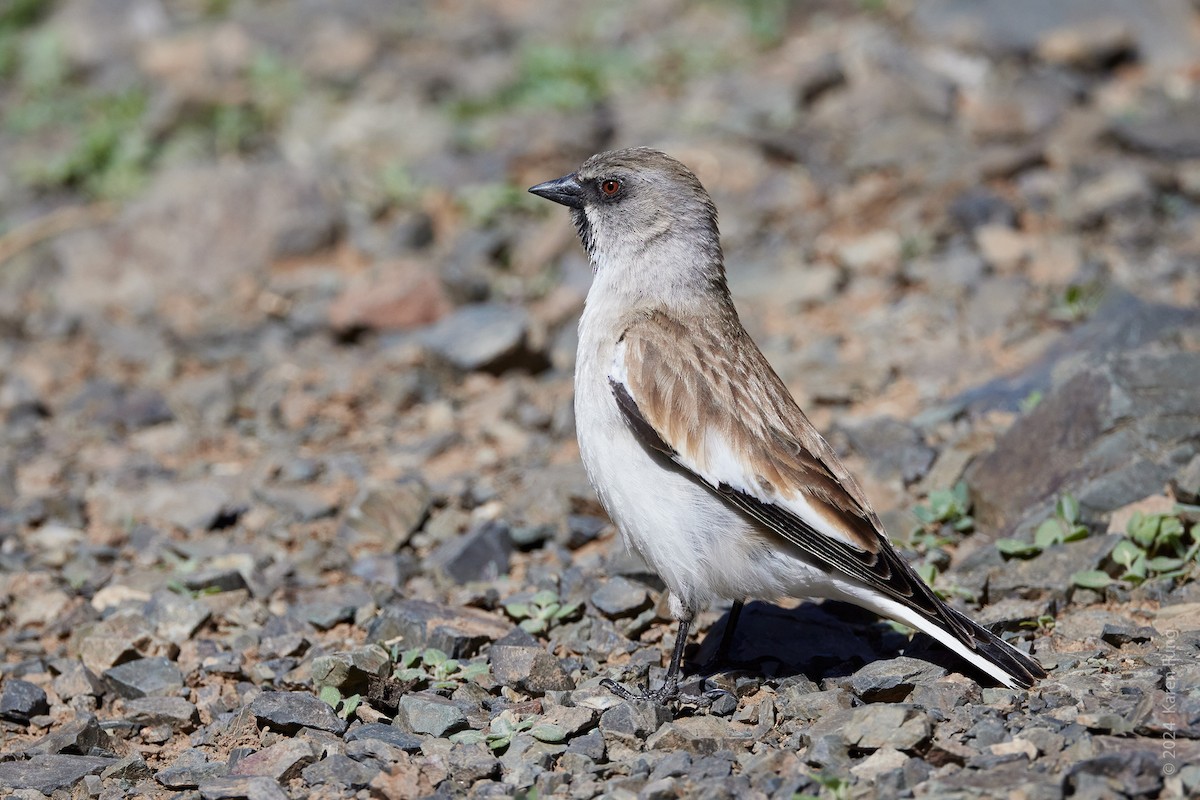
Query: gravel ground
x,y
290,503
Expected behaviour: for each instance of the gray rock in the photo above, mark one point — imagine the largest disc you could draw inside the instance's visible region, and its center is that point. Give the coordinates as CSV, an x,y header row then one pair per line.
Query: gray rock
x,y
393,513
892,448
131,768
899,726
633,720
700,736
242,789
890,681
300,504
481,554
432,714
49,773
22,700
1170,132
130,409
482,337
75,680
350,671
190,769
146,677
590,745
979,205
176,712
1110,435
175,617
281,761
288,712
386,733
338,770
620,597
78,737
472,762
528,669
458,632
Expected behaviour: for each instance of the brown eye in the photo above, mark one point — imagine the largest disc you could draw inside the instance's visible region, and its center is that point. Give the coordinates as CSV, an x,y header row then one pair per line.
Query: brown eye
x,y
610,187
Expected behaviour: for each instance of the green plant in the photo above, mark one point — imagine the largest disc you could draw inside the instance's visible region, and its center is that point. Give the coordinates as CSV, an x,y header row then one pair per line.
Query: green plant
x,y
834,788
1078,302
929,573
1030,401
434,669
541,611
344,706
1064,526
505,726
1155,546
947,508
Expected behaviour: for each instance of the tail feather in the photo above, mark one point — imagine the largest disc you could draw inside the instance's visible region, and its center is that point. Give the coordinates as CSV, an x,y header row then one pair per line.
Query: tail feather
x,y
979,646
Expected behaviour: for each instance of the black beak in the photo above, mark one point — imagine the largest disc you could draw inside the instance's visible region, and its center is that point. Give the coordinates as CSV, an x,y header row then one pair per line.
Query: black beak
x,y
565,190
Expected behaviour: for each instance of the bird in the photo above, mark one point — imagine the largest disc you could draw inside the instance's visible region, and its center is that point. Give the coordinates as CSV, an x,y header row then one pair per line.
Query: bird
x,y
705,463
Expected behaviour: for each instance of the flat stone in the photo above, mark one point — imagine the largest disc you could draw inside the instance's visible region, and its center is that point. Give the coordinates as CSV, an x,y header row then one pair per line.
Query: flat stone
x,y
528,669
890,681
256,788
481,337
49,773
458,632
900,726
572,720
77,737
339,770
146,677
397,297
22,700
131,768
432,714
175,617
633,720
393,513
350,671
480,554
472,762
176,712
281,761
288,712
190,769
700,736
620,597
386,733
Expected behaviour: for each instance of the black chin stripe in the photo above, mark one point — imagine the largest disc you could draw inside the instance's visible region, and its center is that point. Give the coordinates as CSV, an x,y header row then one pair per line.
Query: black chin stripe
x,y
585,230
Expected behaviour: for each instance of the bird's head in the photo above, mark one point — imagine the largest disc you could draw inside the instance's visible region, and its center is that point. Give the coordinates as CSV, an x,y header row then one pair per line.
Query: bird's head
x,y
643,217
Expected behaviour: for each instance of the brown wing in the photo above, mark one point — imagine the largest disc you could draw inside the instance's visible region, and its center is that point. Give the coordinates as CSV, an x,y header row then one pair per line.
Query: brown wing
x,y
704,395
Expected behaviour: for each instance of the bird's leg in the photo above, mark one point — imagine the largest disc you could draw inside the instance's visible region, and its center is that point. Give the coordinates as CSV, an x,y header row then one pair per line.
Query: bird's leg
x,y
670,688
735,613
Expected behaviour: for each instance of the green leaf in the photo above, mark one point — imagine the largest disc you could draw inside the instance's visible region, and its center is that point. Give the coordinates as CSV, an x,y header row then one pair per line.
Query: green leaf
x,y
1068,509
350,705
330,696
517,610
1126,552
1016,547
409,657
1142,528
1170,531
1091,579
964,524
409,674
1164,564
1048,533
548,732
545,597
1075,533
928,572
473,671
533,625
467,737
434,657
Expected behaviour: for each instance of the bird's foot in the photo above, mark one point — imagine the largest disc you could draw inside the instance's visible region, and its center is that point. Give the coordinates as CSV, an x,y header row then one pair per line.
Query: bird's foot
x,y
666,693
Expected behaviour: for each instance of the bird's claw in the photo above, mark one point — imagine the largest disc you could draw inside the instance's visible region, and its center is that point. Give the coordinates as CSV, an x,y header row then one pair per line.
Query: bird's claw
x,y
666,693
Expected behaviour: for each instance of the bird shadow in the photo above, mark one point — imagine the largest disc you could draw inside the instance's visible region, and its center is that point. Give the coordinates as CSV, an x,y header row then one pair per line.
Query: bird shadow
x,y
817,640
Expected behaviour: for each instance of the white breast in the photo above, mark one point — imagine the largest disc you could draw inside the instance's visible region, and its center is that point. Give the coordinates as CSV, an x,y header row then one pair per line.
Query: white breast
x,y
701,548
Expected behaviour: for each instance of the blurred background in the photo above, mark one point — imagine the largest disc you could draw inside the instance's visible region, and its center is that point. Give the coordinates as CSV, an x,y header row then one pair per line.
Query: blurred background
x,y
280,324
